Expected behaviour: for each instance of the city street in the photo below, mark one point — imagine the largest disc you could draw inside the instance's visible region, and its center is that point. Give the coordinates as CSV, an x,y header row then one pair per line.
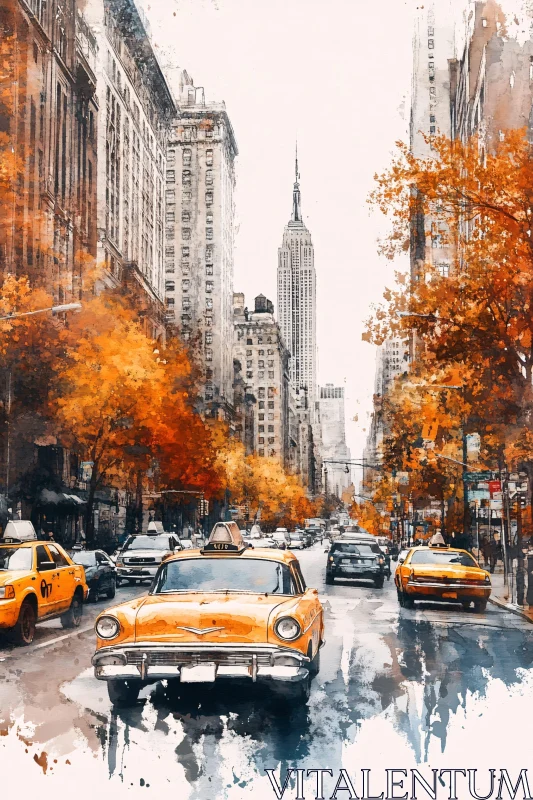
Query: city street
x,y
414,669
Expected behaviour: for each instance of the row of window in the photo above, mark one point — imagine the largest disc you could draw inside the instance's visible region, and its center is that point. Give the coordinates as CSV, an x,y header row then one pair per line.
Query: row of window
x,y
270,429
271,440
186,157
186,177
260,352
260,364
170,215
261,374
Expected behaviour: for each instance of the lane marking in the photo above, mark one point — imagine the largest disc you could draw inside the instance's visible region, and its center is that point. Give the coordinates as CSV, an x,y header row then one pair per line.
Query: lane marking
x,y
48,643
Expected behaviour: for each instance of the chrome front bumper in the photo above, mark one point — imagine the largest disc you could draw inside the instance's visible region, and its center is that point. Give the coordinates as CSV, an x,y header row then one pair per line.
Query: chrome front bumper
x,y
138,572
153,661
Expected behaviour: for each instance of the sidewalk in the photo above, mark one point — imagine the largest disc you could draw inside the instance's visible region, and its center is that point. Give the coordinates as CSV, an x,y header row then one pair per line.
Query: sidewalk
x,y
502,597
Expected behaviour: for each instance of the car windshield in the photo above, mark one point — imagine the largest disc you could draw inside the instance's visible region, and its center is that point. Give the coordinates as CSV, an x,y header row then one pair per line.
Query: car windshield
x,y
296,535
147,543
356,548
224,575
15,558
85,559
436,557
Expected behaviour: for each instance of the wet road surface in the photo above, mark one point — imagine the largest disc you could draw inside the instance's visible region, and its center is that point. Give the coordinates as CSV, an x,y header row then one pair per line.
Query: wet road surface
x,y
411,674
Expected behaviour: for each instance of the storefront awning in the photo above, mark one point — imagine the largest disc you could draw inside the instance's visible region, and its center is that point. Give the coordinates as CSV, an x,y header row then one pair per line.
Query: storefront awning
x,y
48,497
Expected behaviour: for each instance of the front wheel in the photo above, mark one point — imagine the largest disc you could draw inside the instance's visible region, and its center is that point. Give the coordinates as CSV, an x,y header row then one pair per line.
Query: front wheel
x,y
72,618
330,580
24,630
314,665
294,695
480,606
406,601
378,582
123,693
112,590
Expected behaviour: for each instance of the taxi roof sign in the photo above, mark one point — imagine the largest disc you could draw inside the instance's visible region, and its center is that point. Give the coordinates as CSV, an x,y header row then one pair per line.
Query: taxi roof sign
x,y
226,537
20,529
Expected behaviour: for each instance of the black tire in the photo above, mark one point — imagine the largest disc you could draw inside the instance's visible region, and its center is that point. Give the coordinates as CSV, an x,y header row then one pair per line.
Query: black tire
x,y
408,602
466,605
94,595
480,606
314,664
123,693
72,618
399,596
378,582
294,695
112,590
23,631
330,580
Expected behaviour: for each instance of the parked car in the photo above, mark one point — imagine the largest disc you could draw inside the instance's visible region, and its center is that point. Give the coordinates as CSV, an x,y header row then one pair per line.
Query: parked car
x,y
267,541
100,573
186,544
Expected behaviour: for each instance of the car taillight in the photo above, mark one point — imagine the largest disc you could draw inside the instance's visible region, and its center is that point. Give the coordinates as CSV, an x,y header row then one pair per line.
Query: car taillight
x,y
331,558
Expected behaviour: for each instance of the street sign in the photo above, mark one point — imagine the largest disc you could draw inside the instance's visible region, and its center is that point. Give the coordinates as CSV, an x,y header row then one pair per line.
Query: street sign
x,y
474,477
494,487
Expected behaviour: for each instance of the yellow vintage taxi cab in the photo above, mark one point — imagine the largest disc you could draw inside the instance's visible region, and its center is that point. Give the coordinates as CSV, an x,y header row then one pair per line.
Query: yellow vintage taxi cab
x,y
442,573
38,582
223,612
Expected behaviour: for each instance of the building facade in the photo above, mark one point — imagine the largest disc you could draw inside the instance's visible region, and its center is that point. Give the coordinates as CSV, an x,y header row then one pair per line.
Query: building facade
x,y
200,181
333,438
297,298
136,110
260,348
49,117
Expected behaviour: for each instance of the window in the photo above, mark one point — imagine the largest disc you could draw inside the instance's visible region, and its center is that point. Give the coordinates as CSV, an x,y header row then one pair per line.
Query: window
x,y
444,270
261,352
171,176
171,157
271,391
185,319
208,354
209,233
209,198
261,440
271,363
208,337
186,177
209,218
484,22
271,440
209,286
249,364
186,233
170,215
186,196
169,251
57,557
271,404
185,267
432,118
170,286
271,417
261,392
431,44
209,321
208,269
209,302
262,403
209,177
43,559
209,158
186,303
271,375
261,374
271,429
185,284
432,129
261,364
270,352
261,429
186,156
185,252
185,216
249,341
261,451
170,301
261,417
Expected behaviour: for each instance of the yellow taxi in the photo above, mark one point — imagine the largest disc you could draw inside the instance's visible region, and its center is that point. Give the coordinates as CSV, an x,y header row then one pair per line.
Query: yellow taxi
x,y
38,581
442,573
220,613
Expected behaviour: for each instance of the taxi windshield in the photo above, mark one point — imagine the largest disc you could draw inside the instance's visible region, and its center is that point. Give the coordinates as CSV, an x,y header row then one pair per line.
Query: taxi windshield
x,y
15,558
224,575
442,557
147,543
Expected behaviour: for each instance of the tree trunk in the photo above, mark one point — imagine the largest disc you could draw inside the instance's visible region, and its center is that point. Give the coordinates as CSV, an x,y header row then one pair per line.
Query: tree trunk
x,y
520,570
89,511
139,502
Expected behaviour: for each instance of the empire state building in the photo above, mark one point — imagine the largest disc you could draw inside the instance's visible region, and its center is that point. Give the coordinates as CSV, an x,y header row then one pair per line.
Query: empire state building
x,y
297,296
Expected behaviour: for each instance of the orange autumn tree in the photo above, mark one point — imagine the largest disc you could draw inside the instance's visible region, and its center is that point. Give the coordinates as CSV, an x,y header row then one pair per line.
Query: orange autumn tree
x,y
479,318
126,406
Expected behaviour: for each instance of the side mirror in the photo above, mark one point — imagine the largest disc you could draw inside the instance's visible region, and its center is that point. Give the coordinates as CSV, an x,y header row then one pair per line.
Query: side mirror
x,y
394,558
401,560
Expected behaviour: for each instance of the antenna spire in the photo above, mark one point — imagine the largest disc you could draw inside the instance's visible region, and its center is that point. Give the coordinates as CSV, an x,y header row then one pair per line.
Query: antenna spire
x,y
296,198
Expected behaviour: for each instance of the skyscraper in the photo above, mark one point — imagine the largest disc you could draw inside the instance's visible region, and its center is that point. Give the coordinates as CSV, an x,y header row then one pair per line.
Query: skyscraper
x,y
297,297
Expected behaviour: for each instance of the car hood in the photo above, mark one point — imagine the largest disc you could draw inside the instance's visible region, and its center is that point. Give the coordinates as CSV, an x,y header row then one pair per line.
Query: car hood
x,y
12,576
448,571
237,617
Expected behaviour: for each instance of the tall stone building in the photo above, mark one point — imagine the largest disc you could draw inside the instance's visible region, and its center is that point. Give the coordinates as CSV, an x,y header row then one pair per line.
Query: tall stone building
x,y
297,297
259,345
136,109
333,437
492,79
200,181
49,117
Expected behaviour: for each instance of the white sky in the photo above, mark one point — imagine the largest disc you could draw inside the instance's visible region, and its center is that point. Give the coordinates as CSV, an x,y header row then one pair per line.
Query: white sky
x,y
334,73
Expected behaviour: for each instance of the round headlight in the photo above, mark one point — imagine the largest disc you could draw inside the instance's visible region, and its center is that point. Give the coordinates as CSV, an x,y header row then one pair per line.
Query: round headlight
x,y
287,628
107,627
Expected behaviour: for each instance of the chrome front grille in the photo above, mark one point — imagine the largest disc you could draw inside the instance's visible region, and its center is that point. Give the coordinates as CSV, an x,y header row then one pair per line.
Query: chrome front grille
x,y
139,560
158,658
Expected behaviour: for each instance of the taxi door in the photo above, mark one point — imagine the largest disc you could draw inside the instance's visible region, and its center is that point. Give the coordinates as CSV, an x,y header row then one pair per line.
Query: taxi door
x,y
47,581
65,577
